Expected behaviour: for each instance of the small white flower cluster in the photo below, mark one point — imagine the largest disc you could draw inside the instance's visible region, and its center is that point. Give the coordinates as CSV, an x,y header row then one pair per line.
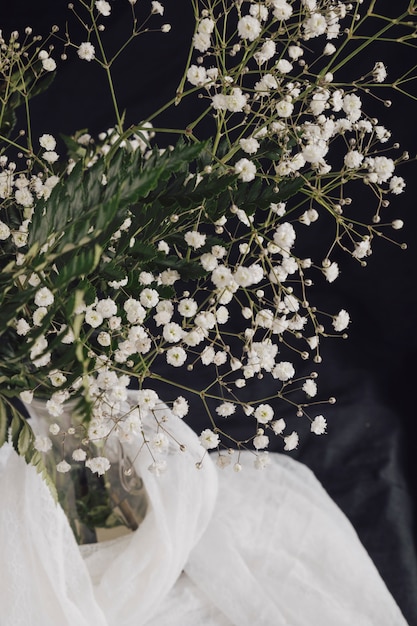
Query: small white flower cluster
x,y
249,313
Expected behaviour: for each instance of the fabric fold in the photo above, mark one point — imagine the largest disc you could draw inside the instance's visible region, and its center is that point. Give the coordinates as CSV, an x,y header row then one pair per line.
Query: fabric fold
x,y
266,547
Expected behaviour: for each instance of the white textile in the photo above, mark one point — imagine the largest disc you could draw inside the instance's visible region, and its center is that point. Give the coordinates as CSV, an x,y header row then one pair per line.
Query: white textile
x,y
264,548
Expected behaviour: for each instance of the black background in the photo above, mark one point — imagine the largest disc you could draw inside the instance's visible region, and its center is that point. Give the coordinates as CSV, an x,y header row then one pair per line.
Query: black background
x,y
366,462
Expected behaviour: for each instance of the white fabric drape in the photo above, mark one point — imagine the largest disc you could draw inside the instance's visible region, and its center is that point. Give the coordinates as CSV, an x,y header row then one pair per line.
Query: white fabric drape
x,y
259,547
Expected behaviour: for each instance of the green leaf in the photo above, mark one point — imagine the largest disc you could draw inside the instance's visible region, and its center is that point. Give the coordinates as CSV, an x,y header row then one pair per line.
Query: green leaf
x,y
4,422
25,439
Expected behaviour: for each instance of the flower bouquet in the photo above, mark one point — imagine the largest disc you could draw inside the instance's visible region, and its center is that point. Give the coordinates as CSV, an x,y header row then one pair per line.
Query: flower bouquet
x,y
146,254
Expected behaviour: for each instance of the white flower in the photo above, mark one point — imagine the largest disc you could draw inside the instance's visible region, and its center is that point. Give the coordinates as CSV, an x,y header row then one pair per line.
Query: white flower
x,y
266,52
37,352
283,66
98,465
57,378
318,425
135,312
195,239
295,52
146,278
54,429
22,327
315,151
331,271
291,441
63,467
353,159
310,388
249,27
379,72
362,248
180,407
79,455
220,357
187,307
247,276
201,41
50,156
282,10
283,371
26,396
176,356
352,106
4,231
205,320
86,51
207,356
159,442
314,26
157,467
278,426
262,460
284,237
264,413
149,298
209,439
397,224
47,142
157,8
225,409
397,185
341,321
249,145
24,197
172,332
259,10
93,318
106,307
222,315
104,339
48,64
284,108
168,277
103,7
329,49
236,100
42,444
197,75
246,170
261,441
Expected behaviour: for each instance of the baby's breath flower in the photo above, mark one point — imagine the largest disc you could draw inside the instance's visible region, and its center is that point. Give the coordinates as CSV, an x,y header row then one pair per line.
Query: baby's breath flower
x,y
98,465
291,441
310,388
86,51
63,467
103,7
157,7
79,454
246,170
318,425
47,142
341,321
176,356
249,27
42,444
195,239
209,439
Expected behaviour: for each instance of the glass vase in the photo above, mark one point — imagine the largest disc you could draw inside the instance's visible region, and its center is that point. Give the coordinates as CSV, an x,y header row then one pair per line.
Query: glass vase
x,y
98,507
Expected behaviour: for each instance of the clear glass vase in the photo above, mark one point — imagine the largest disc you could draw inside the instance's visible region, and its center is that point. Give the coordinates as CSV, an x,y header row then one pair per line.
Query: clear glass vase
x,y
98,507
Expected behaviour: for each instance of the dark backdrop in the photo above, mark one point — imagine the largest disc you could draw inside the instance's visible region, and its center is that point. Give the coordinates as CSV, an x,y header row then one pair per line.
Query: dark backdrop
x,y
366,461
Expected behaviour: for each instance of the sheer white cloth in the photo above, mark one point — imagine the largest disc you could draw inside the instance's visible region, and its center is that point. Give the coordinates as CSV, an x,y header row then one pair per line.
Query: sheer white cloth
x,y
260,547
